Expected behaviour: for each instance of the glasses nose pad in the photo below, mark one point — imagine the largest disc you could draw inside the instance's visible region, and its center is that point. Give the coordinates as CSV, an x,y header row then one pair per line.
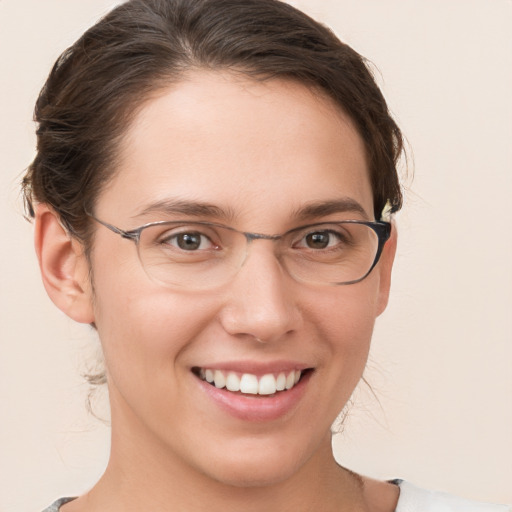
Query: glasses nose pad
x,y
237,254
244,249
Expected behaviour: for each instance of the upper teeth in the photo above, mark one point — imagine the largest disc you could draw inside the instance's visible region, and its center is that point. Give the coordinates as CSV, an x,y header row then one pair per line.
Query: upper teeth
x,y
267,384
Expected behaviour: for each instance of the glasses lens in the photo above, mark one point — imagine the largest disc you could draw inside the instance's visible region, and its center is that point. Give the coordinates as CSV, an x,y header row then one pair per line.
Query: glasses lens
x,y
337,253
192,255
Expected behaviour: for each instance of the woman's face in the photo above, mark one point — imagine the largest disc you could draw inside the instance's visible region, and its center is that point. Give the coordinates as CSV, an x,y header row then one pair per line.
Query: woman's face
x,y
258,154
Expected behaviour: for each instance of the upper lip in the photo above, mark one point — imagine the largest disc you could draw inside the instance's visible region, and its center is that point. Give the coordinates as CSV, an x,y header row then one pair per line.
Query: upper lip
x,y
255,368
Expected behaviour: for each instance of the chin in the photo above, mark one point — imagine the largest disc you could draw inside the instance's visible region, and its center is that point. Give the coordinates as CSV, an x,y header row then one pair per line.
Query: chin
x,y
254,475
256,468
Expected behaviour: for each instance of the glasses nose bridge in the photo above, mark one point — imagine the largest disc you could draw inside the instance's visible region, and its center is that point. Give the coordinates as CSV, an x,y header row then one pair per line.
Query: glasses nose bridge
x,y
251,237
259,236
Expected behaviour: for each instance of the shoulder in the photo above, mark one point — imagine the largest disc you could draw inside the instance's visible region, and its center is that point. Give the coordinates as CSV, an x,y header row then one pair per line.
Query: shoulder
x,y
415,499
55,507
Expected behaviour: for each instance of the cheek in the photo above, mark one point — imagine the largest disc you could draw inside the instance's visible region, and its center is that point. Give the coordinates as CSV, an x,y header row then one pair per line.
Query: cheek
x,y
344,320
143,328
144,338
346,315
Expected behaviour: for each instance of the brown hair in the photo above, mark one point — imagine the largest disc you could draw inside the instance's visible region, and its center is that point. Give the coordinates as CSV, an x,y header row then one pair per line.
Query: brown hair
x,y
97,85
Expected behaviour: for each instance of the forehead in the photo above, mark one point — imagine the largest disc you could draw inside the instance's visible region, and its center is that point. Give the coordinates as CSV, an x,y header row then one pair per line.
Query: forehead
x,y
256,148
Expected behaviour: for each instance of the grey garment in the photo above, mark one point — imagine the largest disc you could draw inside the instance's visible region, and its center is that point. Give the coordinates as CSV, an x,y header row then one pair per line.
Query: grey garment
x,y
412,499
55,507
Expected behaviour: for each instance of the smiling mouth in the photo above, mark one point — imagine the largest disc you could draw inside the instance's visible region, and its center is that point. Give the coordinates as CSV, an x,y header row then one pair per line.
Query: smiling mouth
x,y
250,384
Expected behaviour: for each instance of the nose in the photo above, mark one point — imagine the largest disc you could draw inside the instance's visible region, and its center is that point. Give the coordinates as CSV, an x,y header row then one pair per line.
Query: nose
x,y
261,299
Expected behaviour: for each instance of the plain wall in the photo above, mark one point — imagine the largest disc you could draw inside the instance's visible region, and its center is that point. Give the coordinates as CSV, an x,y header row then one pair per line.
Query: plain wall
x,y
441,363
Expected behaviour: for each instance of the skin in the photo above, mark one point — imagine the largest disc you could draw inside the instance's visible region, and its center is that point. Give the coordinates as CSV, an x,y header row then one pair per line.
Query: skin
x,y
259,151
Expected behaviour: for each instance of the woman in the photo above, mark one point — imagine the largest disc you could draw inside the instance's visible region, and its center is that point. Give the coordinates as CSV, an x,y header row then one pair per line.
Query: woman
x,y
211,192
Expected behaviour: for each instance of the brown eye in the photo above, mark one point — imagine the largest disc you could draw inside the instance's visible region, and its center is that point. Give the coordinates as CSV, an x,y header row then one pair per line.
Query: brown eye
x,y
187,241
321,239
318,240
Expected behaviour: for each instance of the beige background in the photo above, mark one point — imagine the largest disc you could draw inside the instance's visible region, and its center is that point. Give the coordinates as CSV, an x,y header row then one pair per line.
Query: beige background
x,y
441,365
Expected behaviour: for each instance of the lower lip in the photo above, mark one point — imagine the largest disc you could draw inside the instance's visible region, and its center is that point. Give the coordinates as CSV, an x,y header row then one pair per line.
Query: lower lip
x,y
257,408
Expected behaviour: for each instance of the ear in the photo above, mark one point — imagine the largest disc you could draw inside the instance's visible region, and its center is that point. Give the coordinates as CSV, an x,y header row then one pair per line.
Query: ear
x,y
64,267
385,267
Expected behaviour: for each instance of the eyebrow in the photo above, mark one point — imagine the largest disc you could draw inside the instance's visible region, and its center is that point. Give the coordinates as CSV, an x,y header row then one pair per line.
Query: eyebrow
x,y
188,208
201,209
323,208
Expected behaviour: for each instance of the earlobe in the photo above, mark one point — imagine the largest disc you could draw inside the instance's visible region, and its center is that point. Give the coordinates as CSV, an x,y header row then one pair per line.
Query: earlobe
x,y
385,268
64,267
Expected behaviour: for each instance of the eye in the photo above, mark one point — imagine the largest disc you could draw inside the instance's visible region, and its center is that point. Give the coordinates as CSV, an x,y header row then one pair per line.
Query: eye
x,y
187,241
321,239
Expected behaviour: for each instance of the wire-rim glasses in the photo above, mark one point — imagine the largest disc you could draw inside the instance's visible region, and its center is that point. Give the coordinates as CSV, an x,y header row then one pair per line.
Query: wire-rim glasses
x,y
204,255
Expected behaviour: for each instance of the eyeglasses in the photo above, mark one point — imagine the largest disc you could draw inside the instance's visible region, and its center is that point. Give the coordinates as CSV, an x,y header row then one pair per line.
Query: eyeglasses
x,y
205,255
